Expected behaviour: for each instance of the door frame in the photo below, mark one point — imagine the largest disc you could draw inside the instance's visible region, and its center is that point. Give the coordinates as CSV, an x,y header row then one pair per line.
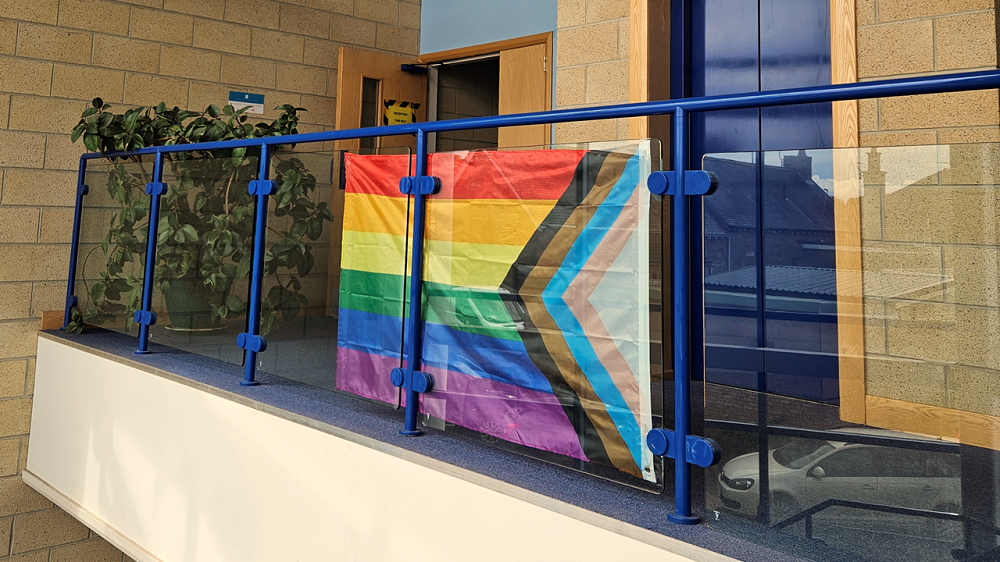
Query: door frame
x,y
489,48
495,47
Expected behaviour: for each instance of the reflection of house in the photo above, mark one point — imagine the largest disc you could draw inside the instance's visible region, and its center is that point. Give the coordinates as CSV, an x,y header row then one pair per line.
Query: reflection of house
x,y
797,216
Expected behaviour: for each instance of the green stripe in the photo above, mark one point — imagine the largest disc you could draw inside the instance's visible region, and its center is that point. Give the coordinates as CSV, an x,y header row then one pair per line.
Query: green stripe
x,y
378,293
461,308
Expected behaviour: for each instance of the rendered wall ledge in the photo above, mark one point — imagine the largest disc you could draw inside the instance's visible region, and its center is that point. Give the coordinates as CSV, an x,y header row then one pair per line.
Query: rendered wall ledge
x,y
171,469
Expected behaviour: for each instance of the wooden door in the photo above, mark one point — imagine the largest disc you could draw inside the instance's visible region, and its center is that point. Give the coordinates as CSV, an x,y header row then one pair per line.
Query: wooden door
x,y
392,84
525,86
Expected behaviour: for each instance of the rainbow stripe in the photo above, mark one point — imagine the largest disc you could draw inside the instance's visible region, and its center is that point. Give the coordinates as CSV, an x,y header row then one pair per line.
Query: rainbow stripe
x,y
536,287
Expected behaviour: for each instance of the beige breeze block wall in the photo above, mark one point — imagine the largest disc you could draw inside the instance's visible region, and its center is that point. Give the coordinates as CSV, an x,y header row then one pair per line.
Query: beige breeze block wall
x,y
937,346
592,65
55,56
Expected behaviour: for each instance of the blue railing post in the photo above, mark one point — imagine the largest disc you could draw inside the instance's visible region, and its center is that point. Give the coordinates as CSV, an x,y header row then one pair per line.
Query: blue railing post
x,y
251,340
145,316
679,444
74,248
682,325
411,378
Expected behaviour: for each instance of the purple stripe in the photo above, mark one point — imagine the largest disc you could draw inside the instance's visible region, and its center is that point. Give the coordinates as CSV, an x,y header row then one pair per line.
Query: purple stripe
x,y
515,414
367,375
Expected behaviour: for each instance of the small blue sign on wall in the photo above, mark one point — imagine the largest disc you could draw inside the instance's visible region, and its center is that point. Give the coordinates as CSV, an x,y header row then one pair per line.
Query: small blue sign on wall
x,y
255,102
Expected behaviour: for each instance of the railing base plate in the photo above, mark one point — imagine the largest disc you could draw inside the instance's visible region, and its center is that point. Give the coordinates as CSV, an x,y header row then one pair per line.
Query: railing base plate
x,y
249,383
683,519
414,433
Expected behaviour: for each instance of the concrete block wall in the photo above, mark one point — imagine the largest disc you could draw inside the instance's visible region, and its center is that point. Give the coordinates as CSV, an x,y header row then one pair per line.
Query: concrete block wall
x,y
592,65
55,56
931,211
468,90
917,37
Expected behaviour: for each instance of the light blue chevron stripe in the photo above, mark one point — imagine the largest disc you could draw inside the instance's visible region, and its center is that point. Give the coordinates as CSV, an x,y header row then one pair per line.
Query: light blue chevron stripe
x,y
581,250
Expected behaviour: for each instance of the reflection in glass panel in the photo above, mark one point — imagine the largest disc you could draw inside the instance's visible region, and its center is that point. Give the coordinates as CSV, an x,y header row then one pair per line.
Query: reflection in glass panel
x,y
204,251
333,286
328,273
733,331
904,275
835,491
112,252
800,281
784,338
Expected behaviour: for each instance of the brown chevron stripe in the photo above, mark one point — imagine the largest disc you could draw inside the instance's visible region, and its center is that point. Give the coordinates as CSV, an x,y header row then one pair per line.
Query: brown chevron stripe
x,y
552,337
583,180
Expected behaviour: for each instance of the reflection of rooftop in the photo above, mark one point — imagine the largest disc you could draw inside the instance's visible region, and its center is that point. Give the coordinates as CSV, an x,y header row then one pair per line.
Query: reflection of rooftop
x,y
822,282
791,202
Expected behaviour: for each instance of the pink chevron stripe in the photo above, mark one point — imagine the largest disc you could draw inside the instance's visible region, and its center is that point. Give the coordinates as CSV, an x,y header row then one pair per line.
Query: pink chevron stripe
x,y
577,298
508,412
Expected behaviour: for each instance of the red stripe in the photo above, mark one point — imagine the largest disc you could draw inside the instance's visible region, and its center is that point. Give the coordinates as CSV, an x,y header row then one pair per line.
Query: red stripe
x,y
531,175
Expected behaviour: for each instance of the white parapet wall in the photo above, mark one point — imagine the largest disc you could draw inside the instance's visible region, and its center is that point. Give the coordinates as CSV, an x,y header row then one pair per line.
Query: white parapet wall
x,y
169,472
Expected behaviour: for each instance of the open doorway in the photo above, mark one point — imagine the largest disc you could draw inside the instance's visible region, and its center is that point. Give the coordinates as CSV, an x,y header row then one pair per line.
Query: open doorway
x,y
499,78
461,89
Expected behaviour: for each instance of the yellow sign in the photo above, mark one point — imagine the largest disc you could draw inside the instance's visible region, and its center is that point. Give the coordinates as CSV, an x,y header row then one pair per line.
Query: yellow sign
x,y
399,112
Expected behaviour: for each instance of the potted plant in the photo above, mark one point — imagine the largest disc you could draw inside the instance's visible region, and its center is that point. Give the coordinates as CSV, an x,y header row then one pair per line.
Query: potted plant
x,y
206,221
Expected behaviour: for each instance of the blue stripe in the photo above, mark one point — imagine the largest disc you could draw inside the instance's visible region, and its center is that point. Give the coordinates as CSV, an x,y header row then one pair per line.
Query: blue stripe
x,y
369,332
581,250
505,361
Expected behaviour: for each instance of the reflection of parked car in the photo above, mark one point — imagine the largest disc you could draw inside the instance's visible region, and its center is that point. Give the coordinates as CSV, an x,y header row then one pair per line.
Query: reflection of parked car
x,y
471,307
806,472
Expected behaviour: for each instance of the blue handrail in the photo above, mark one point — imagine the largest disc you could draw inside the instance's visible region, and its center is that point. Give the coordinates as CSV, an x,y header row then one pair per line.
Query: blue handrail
x,y
686,445
981,80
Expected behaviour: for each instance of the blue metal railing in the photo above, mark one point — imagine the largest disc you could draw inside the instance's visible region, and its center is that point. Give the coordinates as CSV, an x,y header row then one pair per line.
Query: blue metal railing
x,y
677,444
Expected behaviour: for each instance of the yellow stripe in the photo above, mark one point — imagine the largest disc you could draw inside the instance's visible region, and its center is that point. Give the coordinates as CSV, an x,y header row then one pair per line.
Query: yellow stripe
x,y
373,252
506,222
468,265
450,263
375,213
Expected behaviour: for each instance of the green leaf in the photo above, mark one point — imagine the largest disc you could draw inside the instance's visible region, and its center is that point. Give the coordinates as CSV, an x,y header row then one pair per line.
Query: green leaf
x,y
234,304
122,285
131,118
315,228
189,233
305,264
298,212
97,291
298,229
91,141
98,103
